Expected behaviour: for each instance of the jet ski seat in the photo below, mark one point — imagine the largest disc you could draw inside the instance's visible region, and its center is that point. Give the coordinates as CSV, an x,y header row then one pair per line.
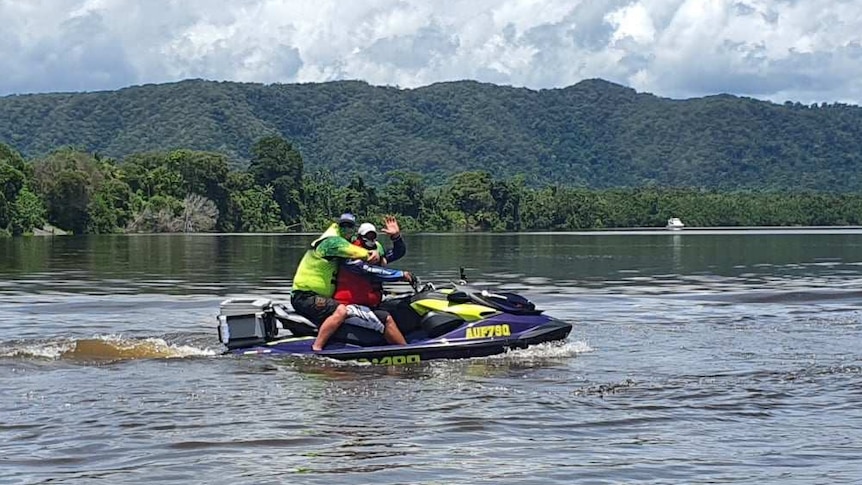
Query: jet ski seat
x,y
436,324
349,332
294,322
503,301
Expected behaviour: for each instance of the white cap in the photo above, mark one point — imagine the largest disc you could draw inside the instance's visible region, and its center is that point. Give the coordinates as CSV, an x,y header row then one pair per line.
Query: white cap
x,y
365,228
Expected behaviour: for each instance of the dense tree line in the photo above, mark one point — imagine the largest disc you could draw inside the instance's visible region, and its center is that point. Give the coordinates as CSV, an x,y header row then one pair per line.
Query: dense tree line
x,y
594,134
194,191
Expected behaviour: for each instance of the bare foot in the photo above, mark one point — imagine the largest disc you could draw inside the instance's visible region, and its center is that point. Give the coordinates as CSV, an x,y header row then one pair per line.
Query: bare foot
x,y
316,349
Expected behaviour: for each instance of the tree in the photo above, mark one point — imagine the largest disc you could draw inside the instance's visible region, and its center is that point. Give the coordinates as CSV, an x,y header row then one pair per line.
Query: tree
x,y
507,195
403,194
13,170
68,200
199,214
359,197
471,192
14,159
103,219
110,207
28,212
11,182
155,214
203,173
254,210
275,162
321,200
145,174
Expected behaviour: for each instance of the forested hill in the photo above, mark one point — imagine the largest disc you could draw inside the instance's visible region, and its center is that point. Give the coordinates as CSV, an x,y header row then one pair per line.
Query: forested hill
x,y
593,134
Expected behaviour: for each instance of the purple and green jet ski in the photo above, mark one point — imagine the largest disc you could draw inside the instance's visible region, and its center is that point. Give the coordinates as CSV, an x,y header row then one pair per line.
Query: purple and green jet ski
x,y
455,322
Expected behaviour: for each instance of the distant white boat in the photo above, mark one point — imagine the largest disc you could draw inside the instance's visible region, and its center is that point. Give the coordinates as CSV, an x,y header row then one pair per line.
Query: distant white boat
x,y
674,224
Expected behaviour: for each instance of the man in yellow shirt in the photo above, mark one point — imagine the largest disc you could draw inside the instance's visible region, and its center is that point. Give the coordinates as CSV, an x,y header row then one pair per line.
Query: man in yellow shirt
x,y
314,281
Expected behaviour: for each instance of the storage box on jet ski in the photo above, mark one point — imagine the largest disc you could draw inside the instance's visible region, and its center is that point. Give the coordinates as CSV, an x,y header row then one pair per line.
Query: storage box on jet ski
x,y
245,322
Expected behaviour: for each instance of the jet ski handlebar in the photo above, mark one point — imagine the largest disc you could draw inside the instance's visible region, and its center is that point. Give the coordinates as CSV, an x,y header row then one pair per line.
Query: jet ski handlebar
x,y
419,287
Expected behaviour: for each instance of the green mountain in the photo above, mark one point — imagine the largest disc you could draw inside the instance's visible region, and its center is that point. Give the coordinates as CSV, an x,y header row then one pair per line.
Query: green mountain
x,y
593,134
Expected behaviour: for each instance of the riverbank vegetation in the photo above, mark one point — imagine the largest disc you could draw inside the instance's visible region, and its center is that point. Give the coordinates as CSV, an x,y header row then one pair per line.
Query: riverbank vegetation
x,y
197,191
594,134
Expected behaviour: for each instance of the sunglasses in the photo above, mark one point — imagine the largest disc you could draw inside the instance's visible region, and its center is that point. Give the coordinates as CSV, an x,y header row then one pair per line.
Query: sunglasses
x,y
346,225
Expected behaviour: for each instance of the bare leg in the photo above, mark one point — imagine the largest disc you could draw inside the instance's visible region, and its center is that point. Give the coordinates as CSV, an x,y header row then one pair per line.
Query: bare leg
x,y
328,327
391,332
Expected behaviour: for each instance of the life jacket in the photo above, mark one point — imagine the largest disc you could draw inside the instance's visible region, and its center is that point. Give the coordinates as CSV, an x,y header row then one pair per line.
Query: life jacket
x,y
316,271
354,288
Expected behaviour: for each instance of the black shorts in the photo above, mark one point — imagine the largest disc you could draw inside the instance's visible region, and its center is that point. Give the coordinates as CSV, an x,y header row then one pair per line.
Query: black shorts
x,y
313,306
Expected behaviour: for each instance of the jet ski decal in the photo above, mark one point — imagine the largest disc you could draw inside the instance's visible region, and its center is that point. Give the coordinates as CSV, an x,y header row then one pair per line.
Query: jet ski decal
x,y
392,360
486,331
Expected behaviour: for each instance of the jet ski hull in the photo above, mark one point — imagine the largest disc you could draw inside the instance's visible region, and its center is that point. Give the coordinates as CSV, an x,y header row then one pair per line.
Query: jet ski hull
x,y
492,336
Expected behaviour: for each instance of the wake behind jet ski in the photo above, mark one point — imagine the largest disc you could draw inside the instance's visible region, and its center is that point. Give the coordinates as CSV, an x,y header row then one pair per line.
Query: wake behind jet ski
x,y
453,322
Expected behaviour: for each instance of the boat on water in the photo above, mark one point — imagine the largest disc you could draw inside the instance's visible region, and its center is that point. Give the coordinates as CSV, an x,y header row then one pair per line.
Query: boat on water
x,y
674,224
454,322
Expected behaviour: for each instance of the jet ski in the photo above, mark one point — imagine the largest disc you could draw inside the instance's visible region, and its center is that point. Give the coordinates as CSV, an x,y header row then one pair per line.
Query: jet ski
x,y
454,322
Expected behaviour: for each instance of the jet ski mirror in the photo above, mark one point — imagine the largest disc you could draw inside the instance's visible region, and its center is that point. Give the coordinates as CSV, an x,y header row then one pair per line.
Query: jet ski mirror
x,y
462,276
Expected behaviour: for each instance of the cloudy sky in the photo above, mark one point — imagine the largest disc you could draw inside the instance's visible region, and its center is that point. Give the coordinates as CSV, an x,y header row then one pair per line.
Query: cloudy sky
x,y
801,50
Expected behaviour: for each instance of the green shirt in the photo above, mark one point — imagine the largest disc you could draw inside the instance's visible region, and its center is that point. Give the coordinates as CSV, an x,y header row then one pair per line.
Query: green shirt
x,y
316,271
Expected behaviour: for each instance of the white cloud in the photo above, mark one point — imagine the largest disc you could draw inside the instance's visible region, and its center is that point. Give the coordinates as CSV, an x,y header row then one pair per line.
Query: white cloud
x,y
632,21
774,49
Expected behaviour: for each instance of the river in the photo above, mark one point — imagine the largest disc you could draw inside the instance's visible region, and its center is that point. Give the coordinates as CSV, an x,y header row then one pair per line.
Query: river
x,y
696,357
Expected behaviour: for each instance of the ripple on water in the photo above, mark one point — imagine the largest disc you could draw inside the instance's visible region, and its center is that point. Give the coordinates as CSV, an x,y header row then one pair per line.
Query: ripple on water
x,y
704,359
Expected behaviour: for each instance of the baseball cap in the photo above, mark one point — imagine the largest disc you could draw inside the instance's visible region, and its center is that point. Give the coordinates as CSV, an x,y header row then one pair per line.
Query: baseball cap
x,y
367,227
347,218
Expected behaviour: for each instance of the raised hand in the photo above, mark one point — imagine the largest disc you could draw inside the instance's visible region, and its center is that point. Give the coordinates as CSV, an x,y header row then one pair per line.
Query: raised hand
x,y
390,227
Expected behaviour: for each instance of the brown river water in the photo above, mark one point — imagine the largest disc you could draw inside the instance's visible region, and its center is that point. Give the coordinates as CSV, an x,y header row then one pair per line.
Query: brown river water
x,y
696,357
